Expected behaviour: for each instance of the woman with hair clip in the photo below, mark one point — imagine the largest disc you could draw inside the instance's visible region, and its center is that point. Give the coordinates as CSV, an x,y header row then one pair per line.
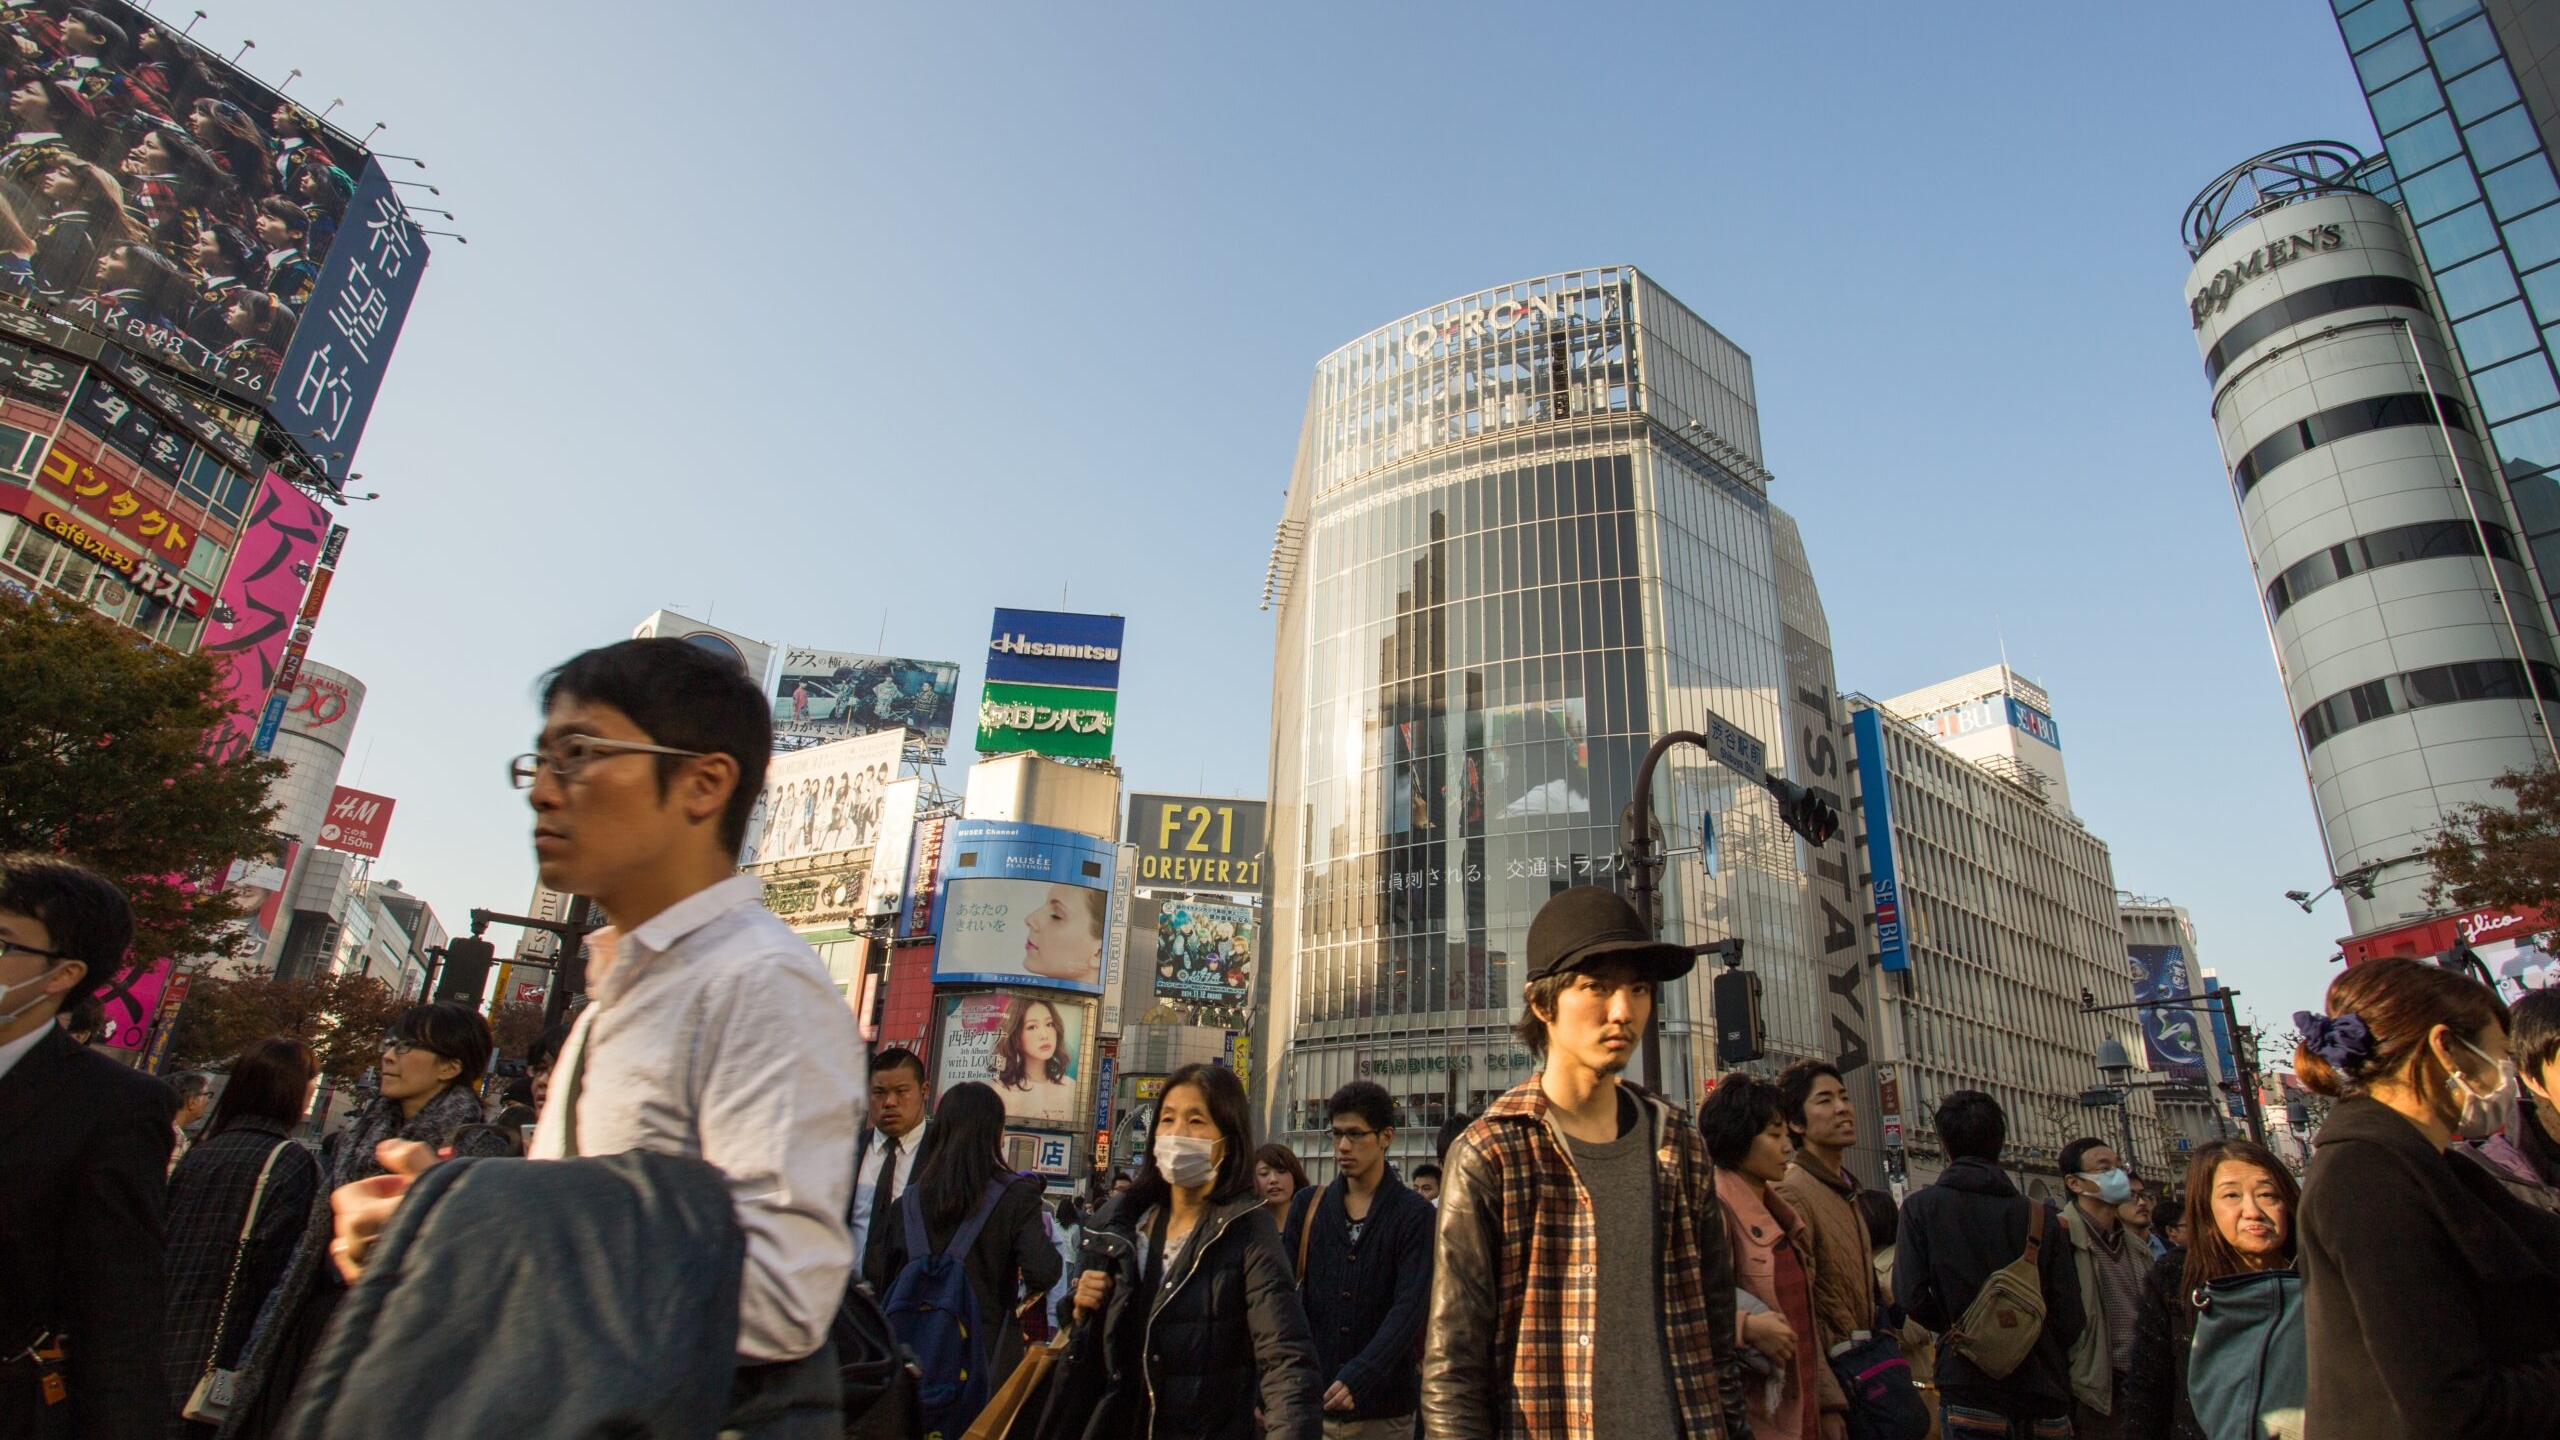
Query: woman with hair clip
x,y
428,1077
1010,1261
2245,1203
2428,1288
1188,1323
222,1260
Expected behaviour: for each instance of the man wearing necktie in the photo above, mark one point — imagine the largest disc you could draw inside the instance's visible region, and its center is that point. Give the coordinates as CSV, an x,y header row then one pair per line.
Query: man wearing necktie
x,y
885,1159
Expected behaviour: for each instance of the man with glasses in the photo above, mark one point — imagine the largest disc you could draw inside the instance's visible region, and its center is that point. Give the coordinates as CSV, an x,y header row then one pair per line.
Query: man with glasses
x,y
84,1156
713,1031
1362,1247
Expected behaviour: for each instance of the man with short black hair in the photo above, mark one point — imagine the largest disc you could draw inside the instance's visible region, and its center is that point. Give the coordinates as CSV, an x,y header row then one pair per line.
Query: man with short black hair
x,y
1823,1123
2112,1264
84,1163
1366,1274
2525,1153
1426,1182
1572,1187
891,1149
713,1031
1952,1236
194,1092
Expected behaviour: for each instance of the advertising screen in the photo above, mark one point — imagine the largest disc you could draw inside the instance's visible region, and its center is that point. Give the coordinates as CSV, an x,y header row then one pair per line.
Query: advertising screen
x,y
822,800
1198,842
1047,720
252,617
821,695
1028,1047
2172,1039
1055,647
1204,951
1023,904
1537,763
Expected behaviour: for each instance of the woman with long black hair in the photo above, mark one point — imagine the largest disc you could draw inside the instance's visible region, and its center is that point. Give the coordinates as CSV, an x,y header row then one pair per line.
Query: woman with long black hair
x,y
1192,1325
222,1260
1012,1258
2245,1203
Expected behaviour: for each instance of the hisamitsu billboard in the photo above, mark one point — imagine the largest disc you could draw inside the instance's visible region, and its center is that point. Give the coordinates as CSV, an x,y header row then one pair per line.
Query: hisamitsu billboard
x,y
1054,647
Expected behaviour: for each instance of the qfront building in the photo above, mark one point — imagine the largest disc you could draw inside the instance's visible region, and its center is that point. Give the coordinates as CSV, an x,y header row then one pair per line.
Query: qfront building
x,y
1528,530
2393,577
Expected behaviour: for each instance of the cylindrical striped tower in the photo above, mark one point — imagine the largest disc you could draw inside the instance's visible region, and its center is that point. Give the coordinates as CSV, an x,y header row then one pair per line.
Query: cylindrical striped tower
x,y
2393,585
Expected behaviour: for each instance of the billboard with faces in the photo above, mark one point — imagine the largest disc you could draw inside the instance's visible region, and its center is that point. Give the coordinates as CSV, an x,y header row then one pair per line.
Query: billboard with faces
x,y
1028,1047
823,800
1023,905
152,193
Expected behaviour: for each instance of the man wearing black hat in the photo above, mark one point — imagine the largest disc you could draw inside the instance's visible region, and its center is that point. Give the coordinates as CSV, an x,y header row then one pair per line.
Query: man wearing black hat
x,y
1573,1186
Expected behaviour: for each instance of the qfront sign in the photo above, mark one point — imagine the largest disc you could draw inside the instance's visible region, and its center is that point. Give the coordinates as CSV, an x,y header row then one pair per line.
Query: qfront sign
x,y
1500,318
2265,260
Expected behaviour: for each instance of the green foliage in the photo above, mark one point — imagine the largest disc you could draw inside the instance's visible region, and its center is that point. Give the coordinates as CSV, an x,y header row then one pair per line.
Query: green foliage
x,y
2492,856
103,761
343,1017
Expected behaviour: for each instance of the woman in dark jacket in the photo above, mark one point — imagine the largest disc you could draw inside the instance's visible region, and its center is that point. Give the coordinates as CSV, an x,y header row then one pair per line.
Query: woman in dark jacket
x,y
210,1305
1012,1258
2245,1202
431,1064
2427,1288
1195,1327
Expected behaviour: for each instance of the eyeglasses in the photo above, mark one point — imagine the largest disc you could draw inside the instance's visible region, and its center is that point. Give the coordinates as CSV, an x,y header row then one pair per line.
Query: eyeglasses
x,y
1342,1135
393,1047
572,753
20,947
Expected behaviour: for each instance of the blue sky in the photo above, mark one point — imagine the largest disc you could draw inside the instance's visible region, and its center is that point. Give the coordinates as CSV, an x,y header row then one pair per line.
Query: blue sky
x,y
843,318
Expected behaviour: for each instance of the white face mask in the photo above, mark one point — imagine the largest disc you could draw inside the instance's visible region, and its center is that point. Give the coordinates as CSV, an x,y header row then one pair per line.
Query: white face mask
x,y
1186,1161
2483,1110
37,985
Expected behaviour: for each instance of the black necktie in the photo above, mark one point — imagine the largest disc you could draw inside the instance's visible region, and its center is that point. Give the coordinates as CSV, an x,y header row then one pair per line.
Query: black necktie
x,y
881,1197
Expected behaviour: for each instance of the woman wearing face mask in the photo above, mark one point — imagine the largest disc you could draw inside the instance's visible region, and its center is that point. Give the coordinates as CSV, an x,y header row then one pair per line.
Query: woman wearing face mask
x,y
429,1072
1188,1325
2428,1288
2247,1203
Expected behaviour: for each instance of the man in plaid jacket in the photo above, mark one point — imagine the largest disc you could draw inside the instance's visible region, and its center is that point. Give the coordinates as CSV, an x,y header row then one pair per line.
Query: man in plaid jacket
x,y
1573,1186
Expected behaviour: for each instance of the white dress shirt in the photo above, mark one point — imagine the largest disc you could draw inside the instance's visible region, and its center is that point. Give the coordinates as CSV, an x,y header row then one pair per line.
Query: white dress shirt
x,y
717,1035
867,1184
10,1052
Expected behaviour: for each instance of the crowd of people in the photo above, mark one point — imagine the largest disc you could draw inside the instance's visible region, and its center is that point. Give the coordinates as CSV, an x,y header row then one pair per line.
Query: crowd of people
x,y
144,187
1582,1261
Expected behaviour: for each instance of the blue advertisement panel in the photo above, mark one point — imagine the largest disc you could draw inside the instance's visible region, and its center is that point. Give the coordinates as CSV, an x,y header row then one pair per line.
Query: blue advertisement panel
x,y
1054,647
2034,721
2223,1051
1023,905
325,388
1891,951
2171,1041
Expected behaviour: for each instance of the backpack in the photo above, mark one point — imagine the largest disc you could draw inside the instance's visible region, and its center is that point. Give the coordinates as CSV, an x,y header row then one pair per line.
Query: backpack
x,y
933,1310
1999,1329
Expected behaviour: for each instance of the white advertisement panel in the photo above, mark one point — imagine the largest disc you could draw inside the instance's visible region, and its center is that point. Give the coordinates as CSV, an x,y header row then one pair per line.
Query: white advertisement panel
x,y
1028,1046
822,800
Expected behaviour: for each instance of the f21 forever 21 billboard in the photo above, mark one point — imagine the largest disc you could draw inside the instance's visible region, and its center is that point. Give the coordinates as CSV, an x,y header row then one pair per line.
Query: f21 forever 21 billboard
x,y
153,194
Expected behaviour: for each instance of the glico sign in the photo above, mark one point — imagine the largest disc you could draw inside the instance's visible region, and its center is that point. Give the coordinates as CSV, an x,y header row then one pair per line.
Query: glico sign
x,y
1501,318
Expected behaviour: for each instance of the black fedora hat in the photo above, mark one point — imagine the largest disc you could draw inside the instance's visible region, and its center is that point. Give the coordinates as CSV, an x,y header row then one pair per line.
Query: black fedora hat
x,y
1587,924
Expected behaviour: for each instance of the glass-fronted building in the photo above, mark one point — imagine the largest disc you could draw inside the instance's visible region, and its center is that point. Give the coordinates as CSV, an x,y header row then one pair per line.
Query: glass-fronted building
x,y
1527,531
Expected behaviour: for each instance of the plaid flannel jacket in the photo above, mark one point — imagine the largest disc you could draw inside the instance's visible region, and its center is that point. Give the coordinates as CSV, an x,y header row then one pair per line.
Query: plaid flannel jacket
x,y
1509,1347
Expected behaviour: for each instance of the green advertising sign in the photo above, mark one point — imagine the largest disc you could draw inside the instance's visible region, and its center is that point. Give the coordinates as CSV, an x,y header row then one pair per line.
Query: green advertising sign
x,y
1050,719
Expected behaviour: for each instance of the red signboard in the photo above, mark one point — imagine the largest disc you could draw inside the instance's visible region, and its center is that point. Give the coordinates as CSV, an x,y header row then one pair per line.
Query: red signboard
x,y
356,822
2429,938
137,509
530,992
157,579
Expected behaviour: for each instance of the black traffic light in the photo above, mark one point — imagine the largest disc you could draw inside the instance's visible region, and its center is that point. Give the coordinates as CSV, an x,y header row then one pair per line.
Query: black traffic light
x,y
1813,814
466,969
1738,1032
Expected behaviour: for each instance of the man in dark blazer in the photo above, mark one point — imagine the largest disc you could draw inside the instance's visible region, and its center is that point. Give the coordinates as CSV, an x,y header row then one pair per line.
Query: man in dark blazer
x,y
84,1155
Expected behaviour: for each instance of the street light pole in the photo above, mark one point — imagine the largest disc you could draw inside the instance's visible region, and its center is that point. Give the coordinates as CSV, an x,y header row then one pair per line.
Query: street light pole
x,y
2244,1046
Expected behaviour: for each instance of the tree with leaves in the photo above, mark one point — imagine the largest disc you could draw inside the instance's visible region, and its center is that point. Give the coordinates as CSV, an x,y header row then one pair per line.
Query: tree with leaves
x,y
2494,857
515,1026
103,761
342,1017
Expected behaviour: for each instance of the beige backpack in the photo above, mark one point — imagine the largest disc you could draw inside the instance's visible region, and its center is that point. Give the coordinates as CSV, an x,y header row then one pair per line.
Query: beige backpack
x,y
2000,1327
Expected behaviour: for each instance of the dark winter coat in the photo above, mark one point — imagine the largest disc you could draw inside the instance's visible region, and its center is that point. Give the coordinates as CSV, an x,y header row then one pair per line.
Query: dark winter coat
x,y
2428,1291
2155,1404
1366,1303
297,1311
1222,1335
84,1166
1953,1235
208,1202
1013,1256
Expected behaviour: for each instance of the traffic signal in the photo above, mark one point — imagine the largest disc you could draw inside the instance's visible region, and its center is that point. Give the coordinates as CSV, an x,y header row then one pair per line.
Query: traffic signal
x,y
1813,814
1738,1032
466,969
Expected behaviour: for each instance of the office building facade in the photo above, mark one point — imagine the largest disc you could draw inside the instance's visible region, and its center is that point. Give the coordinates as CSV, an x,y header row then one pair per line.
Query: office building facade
x,y
1994,910
1527,531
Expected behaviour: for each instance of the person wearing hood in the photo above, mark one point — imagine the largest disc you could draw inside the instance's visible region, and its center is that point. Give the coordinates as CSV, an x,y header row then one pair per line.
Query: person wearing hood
x,y
1953,1235
2427,1285
1188,1323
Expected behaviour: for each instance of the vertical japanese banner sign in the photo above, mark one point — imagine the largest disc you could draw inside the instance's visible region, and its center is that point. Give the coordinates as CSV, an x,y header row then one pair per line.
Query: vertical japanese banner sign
x,y
326,386
253,616
290,670
131,1005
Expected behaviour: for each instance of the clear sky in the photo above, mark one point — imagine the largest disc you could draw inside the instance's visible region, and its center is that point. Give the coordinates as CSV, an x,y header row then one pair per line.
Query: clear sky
x,y
843,323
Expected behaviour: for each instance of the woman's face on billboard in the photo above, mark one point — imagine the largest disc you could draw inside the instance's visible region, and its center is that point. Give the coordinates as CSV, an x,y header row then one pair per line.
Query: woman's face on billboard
x,y
1056,937
1039,1033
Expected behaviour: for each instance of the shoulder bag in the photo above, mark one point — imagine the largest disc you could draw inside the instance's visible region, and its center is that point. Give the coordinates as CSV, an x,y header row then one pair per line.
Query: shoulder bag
x,y
211,1400
2248,1367
1999,1329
